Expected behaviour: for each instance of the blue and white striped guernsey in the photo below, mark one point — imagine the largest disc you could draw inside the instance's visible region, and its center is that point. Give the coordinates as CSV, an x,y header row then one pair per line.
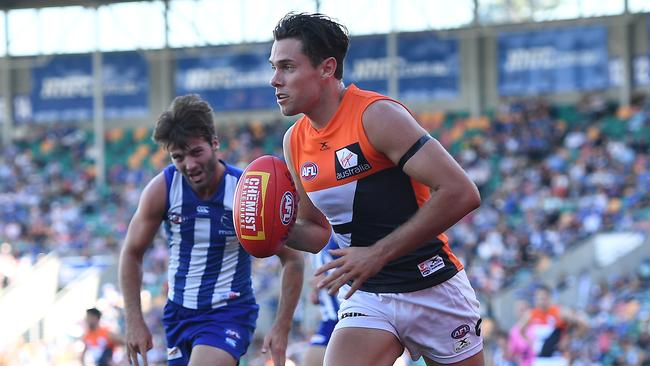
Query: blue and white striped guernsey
x,y
328,304
208,268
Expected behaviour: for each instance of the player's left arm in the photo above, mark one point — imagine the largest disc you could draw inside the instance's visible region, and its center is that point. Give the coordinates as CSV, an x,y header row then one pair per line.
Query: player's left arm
x,y
293,265
453,194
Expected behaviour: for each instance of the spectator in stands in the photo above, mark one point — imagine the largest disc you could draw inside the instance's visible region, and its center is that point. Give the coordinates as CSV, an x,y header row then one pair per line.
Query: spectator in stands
x,y
521,338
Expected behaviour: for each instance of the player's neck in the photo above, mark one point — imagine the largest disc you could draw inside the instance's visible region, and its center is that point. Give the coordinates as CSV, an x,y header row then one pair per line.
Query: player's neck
x,y
328,105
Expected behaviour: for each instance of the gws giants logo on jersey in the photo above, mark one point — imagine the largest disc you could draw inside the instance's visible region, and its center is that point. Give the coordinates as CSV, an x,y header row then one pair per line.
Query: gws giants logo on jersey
x,y
349,161
308,171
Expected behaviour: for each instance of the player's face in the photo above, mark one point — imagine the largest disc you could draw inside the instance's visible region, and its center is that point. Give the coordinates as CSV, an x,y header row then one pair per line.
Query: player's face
x,y
198,162
92,321
296,81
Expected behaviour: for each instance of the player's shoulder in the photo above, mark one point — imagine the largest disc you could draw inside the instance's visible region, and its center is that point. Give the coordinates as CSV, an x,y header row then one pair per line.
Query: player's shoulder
x,y
232,170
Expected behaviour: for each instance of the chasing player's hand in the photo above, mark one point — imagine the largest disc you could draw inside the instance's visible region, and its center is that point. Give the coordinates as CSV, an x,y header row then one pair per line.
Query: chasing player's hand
x,y
138,340
276,339
355,264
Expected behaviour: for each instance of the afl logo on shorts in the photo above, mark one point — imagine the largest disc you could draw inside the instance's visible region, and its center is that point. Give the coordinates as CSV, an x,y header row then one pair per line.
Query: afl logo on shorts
x,y
460,332
308,171
287,208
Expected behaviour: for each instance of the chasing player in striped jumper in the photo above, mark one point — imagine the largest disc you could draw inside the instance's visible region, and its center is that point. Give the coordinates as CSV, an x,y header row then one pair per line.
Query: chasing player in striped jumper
x,y
211,311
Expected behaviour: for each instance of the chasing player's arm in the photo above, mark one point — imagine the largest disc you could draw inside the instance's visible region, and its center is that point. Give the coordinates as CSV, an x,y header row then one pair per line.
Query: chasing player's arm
x,y
453,194
311,231
293,266
141,232
276,339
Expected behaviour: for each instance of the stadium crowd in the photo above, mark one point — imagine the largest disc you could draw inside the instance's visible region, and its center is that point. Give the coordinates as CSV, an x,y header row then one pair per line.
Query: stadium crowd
x,y
548,178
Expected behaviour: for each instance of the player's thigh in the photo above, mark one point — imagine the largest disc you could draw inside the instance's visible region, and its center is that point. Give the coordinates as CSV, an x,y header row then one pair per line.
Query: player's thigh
x,y
314,356
362,347
476,360
203,355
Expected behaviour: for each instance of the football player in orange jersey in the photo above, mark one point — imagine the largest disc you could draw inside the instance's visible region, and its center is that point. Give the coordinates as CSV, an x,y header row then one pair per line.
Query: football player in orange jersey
x,y
367,170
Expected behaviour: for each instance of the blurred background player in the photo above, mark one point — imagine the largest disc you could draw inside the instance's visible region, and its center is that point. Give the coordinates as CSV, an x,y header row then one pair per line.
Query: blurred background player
x,y
99,341
365,168
211,311
329,307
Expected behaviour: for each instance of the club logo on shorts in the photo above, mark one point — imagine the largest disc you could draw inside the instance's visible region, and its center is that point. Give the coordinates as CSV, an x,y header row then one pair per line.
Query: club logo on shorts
x,y
460,332
431,266
461,344
350,161
309,171
231,342
174,353
233,333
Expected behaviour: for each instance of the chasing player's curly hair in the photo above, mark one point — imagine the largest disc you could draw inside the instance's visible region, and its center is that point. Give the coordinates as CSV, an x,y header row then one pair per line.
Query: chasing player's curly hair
x,y
189,116
321,37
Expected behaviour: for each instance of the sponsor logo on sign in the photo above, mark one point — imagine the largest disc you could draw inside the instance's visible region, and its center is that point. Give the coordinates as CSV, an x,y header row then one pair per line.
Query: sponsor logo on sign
x,y
287,205
350,161
309,171
460,332
431,266
251,209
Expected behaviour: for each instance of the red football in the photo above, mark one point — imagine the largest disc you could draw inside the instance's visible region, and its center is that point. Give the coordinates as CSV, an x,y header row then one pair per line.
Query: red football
x,y
265,206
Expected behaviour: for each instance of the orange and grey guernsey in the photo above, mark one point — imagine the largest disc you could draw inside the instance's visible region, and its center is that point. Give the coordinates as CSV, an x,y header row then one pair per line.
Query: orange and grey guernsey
x,y
365,196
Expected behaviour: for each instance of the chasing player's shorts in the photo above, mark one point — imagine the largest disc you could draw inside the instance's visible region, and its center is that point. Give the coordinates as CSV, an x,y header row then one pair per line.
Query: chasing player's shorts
x,y
229,328
323,334
441,323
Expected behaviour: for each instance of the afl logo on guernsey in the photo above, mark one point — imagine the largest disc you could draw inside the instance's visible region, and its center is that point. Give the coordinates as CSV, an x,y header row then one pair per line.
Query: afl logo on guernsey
x,y
287,208
349,161
308,171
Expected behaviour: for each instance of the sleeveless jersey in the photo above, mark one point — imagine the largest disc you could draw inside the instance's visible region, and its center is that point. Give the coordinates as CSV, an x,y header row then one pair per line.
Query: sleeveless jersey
x,y
365,196
208,268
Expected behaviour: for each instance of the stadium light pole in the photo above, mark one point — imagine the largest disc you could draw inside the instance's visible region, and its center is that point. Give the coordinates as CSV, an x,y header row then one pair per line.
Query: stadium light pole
x,y
98,109
6,87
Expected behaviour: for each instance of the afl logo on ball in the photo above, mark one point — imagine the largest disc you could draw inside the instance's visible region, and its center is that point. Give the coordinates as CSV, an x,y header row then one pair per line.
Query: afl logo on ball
x,y
309,171
287,208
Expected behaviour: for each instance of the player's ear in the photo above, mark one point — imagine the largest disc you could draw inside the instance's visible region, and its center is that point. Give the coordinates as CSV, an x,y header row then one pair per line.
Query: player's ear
x,y
328,67
215,143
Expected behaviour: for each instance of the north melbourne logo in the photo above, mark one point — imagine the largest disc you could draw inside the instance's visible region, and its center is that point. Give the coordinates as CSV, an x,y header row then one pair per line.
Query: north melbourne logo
x,y
350,162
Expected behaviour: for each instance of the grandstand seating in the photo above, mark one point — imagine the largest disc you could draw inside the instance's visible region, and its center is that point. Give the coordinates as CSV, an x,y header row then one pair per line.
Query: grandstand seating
x,y
541,192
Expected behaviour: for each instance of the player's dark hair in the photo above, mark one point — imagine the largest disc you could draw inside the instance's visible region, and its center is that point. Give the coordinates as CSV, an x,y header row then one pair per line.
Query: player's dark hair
x,y
94,312
321,37
188,116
